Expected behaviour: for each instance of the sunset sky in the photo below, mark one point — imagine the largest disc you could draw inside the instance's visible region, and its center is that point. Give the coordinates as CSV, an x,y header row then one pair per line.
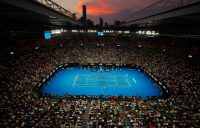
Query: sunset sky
x,y
109,10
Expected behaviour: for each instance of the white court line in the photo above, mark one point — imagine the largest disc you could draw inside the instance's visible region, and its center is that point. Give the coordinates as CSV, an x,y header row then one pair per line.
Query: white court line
x,y
98,75
115,81
76,77
86,86
121,86
134,80
103,86
99,80
95,85
127,81
124,77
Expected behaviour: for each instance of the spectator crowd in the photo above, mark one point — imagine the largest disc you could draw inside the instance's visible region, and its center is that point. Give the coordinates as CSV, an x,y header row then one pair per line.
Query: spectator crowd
x,y
22,106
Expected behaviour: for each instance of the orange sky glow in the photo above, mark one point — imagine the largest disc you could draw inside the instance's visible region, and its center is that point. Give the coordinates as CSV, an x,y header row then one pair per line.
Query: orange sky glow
x,y
100,7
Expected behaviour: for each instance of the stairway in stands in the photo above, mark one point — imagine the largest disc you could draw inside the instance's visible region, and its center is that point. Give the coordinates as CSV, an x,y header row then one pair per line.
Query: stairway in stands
x,y
86,116
125,116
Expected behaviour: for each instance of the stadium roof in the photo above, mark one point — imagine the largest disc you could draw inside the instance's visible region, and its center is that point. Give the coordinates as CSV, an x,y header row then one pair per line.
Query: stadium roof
x,y
32,14
185,18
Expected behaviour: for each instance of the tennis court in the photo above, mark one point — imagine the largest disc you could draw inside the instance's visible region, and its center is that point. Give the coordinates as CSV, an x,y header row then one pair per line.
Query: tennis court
x,y
125,82
86,80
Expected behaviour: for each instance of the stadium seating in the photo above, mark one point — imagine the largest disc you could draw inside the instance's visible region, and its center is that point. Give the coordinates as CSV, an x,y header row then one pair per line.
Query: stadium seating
x,y
22,106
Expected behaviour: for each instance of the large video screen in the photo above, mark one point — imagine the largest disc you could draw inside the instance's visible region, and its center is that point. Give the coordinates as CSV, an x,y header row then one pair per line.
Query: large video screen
x,y
47,35
100,33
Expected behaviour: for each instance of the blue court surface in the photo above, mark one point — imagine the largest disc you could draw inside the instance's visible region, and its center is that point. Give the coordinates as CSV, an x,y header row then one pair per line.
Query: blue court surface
x,y
126,82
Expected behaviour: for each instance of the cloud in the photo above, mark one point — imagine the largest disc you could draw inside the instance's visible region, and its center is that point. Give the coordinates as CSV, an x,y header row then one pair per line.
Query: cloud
x,y
110,18
112,9
97,7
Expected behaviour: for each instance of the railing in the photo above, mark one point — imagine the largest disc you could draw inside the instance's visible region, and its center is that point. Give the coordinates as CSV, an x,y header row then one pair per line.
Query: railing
x,y
56,7
159,7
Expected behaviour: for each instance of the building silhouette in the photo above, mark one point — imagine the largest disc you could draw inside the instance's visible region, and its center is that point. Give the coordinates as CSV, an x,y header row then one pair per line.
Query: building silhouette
x,y
100,23
84,17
